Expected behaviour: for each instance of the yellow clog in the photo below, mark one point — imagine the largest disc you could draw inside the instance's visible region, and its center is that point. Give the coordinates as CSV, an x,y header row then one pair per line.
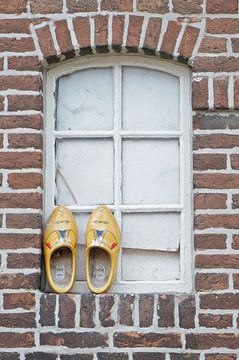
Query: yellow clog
x,y
59,246
102,249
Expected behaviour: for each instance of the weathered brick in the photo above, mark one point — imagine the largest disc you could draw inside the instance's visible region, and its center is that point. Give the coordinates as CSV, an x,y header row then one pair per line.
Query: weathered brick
x,y
210,201
153,6
11,44
16,26
45,6
20,320
21,121
215,121
217,221
77,357
235,201
19,281
217,261
115,5
146,310
235,45
13,7
236,92
26,82
235,242
9,356
187,7
20,160
47,310
24,180
40,356
87,311
25,102
112,356
200,93
46,42
25,301
1,103
101,33
234,161
209,161
226,301
188,42
236,281
82,32
74,339
205,282
222,26
212,44
216,181
220,356
23,261
170,38
134,339
24,200
16,340
19,241
215,141
221,6
187,311
215,64
106,303
209,341
166,311
221,92
21,141
125,309
67,310
152,35
187,356
64,38
148,356
215,321
134,32
24,63
117,31
81,5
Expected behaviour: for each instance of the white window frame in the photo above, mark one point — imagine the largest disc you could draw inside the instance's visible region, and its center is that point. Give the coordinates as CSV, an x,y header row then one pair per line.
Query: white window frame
x,y
184,284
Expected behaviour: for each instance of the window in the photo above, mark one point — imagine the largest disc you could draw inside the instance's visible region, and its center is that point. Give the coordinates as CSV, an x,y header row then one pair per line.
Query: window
x,y
118,132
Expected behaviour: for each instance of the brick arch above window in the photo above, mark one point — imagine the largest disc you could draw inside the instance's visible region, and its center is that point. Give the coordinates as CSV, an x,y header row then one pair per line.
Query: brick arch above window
x,y
80,35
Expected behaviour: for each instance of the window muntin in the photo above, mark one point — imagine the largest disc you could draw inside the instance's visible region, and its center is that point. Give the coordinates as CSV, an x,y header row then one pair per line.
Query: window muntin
x,y
142,168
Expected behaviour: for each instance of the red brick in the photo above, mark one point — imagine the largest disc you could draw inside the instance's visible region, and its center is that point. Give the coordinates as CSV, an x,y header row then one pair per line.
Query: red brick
x,y
45,6
24,261
25,102
235,242
217,261
235,45
19,281
22,320
47,309
236,281
216,64
152,35
188,42
87,311
200,93
211,44
187,312
16,44
187,7
215,121
215,321
13,7
1,140
20,160
21,141
234,161
126,309
222,26
24,301
209,282
146,310
106,304
16,26
15,340
221,92
19,241
24,180
153,6
184,356
1,103
1,64
226,301
220,357
23,221
67,310
64,38
134,32
134,339
101,32
210,201
166,311
216,181
235,201
215,141
170,38
24,63
46,42
24,200
145,356
209,341
210,241
222,6
81,5
236,92
209,161
33,83
115,5
117,31
82,31
75,339
36,355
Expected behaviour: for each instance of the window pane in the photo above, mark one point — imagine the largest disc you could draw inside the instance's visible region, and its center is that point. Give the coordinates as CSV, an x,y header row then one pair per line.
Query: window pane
x,y
85,100
145,265
150,171
158,231
150,100
87,166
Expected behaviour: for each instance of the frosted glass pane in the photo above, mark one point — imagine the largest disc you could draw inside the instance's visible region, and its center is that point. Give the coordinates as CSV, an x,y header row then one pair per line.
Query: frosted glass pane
x,y
150,99
150,171
85,100
87,166
155,231
145,265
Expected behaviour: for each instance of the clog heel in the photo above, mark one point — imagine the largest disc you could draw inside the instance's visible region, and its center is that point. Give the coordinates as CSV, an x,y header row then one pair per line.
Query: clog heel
x,y
59,246
102,250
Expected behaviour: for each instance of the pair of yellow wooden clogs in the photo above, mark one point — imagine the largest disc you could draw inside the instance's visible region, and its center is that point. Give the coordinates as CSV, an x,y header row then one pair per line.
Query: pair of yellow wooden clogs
x,y
102,249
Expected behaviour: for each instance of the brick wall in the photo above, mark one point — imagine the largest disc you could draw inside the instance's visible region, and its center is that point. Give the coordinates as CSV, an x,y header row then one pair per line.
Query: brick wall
x,y
198,326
